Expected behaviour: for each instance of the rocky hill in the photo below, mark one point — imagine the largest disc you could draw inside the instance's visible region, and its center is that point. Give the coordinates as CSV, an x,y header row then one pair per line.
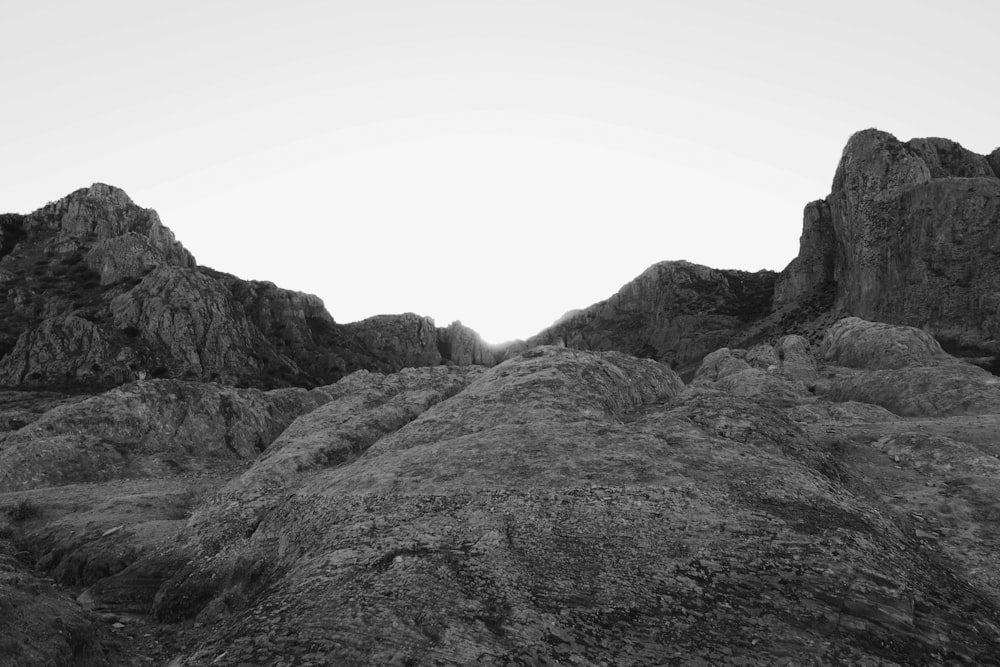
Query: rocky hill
x,y
819,488
910,234
95,291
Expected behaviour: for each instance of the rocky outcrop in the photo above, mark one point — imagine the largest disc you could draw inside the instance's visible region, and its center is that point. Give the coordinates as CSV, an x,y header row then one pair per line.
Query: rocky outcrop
x,y
811,274
578,507
147,428
912,237
910,234
994,161
904,370
460,345
562,506
675,312
400,341
195,326
948,159
125,240
96,292
59,351
856,343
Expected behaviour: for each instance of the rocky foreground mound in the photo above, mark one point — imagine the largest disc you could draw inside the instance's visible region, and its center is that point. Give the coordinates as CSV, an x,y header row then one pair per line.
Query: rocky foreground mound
x,y
795,504
95,291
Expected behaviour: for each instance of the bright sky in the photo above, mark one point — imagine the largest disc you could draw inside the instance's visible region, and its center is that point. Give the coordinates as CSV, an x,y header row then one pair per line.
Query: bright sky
x,y
497,161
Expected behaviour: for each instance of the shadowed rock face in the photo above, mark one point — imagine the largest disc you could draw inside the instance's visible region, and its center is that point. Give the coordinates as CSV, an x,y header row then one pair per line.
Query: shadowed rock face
x,y
675,312
97,292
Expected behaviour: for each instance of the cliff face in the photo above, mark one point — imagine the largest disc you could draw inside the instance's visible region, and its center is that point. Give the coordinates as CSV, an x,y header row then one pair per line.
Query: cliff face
x,y
95,291
910,234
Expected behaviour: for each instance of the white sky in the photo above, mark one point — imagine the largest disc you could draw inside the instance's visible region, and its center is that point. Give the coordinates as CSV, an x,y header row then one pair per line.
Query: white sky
x,y
499,162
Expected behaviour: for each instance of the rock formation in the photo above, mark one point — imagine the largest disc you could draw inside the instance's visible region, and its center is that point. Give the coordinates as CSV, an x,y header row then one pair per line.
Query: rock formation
x,y
910,234
823,491
577,507
95,291
675,312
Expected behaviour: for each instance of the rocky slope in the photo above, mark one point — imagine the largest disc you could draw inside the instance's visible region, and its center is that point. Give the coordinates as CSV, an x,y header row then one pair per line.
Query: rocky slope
x,y
792,505
95,291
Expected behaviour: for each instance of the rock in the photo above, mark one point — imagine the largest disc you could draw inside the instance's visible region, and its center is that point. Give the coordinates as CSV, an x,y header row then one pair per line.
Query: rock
x,y
994,162
58,351
151,427
911,238
919,391
199,330
856,343
398,341
795,359
720,363
108,214
462,346
948,159
729,370
580,507
902,369
810,276
761,356
674,312
361,408
141,307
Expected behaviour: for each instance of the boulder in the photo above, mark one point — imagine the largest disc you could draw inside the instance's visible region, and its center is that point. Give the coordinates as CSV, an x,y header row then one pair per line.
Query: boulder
x,y
857,343
795,359
720,363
